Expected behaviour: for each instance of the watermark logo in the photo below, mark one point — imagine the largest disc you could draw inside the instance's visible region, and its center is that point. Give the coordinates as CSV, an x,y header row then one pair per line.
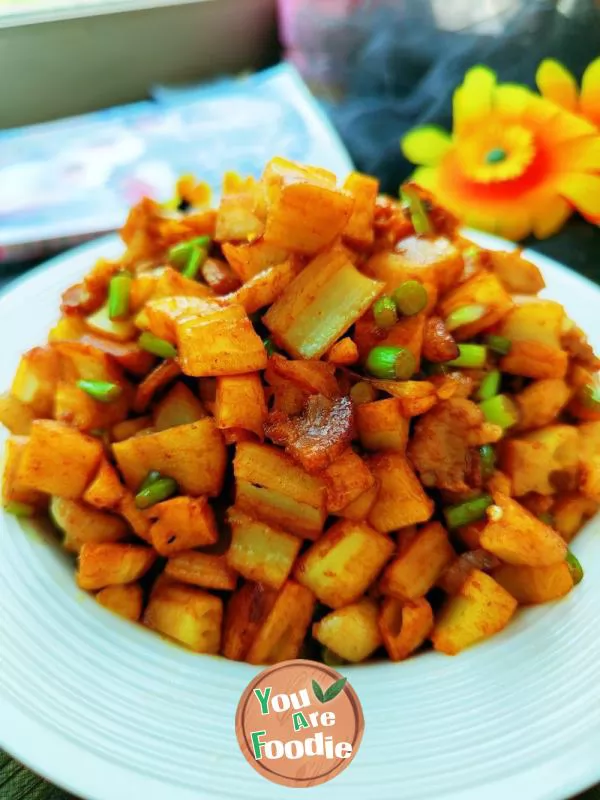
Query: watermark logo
x,y
299,723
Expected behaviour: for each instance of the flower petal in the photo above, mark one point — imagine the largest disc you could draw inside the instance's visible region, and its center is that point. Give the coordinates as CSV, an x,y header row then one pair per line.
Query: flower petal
x,y
564,126
426,145
516,225
474,218
426,177
590,92
550,216
510,99
473,99
556,83
513,223
583,191
579,155
540,111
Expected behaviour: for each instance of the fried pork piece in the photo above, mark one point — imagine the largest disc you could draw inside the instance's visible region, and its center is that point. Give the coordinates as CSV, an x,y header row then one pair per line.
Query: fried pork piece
x,y
440,449
453,577
316,437
576,344
313,377
219,276
390,222
438,343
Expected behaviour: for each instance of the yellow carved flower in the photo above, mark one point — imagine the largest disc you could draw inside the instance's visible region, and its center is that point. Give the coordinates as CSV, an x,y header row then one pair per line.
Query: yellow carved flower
x,y
193,193
196,193
557,84
515,163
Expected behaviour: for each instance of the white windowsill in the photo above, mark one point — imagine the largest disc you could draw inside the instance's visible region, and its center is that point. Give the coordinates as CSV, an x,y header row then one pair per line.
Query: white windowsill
x,y
65,60
35,12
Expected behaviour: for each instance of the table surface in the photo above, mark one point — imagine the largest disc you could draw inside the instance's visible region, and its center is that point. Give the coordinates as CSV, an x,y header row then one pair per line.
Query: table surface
x,y
578,246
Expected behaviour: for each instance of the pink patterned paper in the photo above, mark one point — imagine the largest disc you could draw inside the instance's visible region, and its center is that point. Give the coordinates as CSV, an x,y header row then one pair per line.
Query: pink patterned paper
x,y
291,10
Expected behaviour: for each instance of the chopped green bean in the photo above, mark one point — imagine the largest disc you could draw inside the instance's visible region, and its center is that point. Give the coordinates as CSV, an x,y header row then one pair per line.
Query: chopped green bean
x,y
158,347
405,364
384,312
498,344
589,396
103,391
269,346
119,291
150,478
179,254
489,385
500,410
410,298
487,460
201,241
575,567
464,316
363,392
195,262
381,362
418,214
470,356
19,509
390,363
159,490
467,512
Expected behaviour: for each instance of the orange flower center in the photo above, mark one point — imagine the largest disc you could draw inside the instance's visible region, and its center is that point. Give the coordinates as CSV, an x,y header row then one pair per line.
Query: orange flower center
x,y
494,153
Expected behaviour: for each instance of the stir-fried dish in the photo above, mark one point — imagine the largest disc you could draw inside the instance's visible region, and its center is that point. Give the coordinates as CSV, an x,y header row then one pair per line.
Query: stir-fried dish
x,y
314,421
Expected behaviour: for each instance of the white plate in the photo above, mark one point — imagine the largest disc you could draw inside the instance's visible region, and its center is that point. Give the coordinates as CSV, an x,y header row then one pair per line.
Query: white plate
x,y
110,711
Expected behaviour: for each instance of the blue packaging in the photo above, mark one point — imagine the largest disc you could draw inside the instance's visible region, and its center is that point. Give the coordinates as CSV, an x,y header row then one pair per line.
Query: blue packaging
x,y
66,181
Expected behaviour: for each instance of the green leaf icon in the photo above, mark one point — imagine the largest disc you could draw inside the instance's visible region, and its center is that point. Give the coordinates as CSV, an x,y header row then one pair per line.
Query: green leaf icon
x,y
334,689
318,692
